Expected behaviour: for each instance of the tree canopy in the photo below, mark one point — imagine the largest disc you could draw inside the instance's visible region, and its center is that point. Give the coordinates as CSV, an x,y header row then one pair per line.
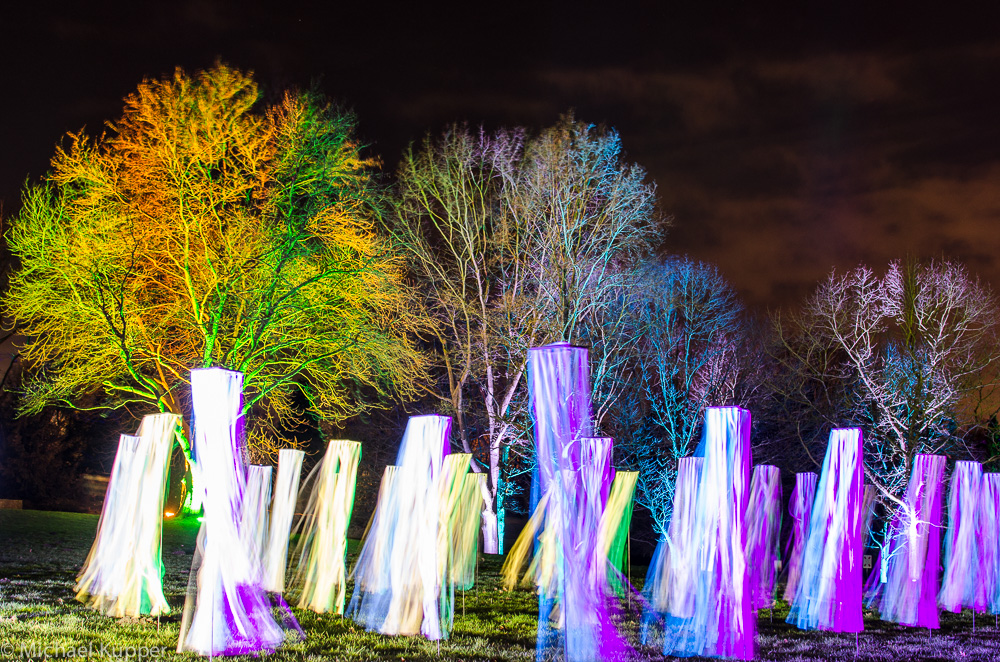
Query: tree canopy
x,y
895,355
200,231
516,241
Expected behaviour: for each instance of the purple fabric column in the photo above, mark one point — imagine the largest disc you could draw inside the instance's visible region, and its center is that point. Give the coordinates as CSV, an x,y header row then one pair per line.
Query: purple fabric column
x,y
800,508
559,388
763,530
229,613
828,596
670,578
723,623
960,585
867,512
989,540
909,595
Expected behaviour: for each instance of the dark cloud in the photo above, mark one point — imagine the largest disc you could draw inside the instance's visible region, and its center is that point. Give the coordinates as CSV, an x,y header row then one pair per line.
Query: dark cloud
x,y
785,142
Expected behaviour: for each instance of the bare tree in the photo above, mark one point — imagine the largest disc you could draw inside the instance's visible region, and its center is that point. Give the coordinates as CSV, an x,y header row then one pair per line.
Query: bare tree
x,y
691,332
517,245
895,355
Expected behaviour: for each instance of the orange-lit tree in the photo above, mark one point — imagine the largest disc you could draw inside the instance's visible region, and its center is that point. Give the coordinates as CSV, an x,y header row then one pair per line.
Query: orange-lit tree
x,y
198,231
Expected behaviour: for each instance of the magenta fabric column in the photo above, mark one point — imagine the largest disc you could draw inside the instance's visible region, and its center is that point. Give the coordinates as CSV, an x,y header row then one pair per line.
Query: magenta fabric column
x,y
828,596
723,622
763,530
800,508
960,584
909,595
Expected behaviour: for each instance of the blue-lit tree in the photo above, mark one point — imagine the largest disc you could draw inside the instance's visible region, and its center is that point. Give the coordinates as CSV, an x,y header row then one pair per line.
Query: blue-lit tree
x,y
691,352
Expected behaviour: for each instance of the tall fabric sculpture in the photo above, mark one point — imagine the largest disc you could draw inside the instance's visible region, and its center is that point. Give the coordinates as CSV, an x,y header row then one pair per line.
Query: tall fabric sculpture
x,y
612,536
321,571
909,595
463,522
670,579
800,508
989,540
453,499
397,586
961,585
574,479
123,572
763,533
228,612
829,593
255,517
723,622
286,491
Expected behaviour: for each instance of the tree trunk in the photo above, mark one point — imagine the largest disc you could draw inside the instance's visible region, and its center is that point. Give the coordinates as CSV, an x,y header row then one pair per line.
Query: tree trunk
x,y
493,517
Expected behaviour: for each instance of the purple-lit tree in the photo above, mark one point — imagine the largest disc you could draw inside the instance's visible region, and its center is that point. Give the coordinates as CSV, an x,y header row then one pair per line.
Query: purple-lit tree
x,y
515,244
896,354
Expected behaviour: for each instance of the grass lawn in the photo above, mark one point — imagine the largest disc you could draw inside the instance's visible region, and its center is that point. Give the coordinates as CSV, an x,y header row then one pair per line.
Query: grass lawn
x,y
41,552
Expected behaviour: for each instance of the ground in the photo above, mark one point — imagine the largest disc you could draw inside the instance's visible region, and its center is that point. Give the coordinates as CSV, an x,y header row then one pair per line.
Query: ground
x,y
41,552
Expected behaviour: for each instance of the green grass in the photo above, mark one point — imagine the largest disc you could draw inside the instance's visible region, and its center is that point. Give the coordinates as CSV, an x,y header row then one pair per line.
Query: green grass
x,y
41,553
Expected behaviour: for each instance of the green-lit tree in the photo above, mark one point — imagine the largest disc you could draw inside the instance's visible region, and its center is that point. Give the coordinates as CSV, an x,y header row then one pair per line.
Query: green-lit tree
x,y
201,230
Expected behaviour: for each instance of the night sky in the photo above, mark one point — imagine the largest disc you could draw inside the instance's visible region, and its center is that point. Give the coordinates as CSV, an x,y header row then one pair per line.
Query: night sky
x,y
783,144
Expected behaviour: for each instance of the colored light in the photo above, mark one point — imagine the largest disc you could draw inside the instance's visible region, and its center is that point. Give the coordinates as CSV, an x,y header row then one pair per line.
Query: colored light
x,y
228,612
828,596
123,572
320,577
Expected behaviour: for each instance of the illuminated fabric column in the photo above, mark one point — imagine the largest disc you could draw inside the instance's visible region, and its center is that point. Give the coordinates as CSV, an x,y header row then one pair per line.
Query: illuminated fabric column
x,y
800,508
579,519
613,533
255,516
829,591
103,576
559,389
588,629
228,613
723,622
911,556
763,531
465,531
451,491
286,491
397,592
123,574
572,472
143,590
372,588
321,572
909,595
989,540
961,587
670,580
